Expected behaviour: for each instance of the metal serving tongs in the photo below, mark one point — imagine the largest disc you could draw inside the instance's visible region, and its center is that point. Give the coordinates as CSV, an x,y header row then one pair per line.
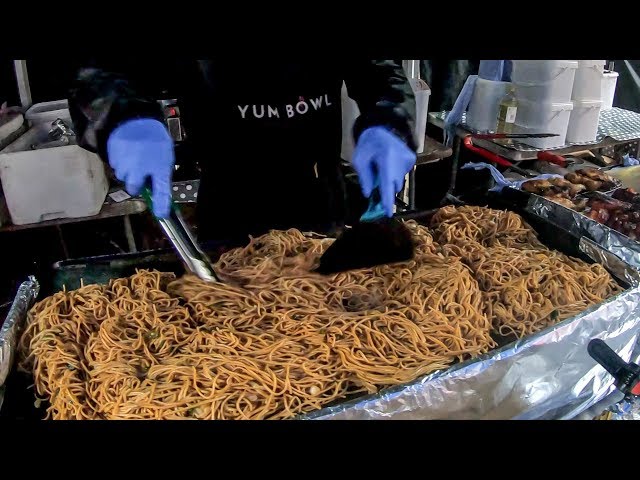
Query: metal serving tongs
x,y
178,232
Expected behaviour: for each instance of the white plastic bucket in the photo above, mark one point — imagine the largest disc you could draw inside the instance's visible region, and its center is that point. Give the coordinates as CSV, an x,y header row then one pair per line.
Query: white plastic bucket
x,y
482,114
543,117
609,82
544,80
588,81
583,121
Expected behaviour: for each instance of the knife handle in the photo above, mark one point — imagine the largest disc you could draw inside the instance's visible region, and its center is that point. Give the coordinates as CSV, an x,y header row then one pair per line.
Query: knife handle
x,y
552,158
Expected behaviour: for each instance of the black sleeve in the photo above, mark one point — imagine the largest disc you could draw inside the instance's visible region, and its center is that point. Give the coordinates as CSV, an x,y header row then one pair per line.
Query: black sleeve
x,y
384,97
100,100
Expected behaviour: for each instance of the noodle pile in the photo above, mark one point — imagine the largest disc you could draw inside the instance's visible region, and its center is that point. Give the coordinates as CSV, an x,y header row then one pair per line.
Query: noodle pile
x,y
276,340
526,286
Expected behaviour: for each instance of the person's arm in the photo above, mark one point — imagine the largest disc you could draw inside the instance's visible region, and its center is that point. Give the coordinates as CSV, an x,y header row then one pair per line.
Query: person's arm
x,y
100,100
384,97
385,145
126,128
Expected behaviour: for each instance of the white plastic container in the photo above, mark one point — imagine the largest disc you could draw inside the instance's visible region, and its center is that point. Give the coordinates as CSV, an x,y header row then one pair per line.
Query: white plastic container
x,y
609,82
482,114
588,81
350,113
583,121
47,112
422,92
543,117
544,80
629,176
50,183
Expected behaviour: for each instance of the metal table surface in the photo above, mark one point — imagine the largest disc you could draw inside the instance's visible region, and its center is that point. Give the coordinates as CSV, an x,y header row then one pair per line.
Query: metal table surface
x,y
131,206
616,127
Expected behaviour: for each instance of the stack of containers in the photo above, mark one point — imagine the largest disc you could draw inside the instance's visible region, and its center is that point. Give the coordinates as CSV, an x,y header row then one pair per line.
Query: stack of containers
x,y
587,102
543,91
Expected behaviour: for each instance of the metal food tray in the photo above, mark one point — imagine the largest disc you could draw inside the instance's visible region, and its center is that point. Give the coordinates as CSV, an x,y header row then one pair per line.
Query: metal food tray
x,y
608,238
546,375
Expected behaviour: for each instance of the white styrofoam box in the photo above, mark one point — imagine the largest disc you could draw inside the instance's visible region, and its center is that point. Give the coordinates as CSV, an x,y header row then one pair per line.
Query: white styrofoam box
x,y
588,81
350,113
47,112
609,82
482,114
543,117
50,183
544,80
583,121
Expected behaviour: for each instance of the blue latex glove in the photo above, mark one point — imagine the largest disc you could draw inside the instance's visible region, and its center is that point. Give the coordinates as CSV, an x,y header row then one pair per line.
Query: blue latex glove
x,y
454,117
139,149
383,157
500,181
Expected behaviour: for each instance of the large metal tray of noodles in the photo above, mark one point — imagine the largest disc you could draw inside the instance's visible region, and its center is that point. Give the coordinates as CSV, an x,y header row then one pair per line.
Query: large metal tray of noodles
x,y
546,375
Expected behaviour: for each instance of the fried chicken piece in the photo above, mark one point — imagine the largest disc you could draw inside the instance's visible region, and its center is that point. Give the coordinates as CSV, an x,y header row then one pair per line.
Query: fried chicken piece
x,y
538,187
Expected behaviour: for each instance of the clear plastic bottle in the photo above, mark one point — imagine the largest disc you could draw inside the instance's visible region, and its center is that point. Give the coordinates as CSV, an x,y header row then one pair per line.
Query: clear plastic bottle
x,y
507,111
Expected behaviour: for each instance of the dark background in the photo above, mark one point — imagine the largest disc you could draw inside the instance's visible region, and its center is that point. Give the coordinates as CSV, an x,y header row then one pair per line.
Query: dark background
x,y
50,78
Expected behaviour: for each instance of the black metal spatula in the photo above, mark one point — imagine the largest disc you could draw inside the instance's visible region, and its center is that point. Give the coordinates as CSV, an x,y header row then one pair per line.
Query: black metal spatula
x,y
374,240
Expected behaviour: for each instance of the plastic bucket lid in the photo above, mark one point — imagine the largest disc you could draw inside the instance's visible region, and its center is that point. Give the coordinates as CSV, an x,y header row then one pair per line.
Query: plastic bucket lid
x,y
591,63
587,103
554,107
531,73
556,63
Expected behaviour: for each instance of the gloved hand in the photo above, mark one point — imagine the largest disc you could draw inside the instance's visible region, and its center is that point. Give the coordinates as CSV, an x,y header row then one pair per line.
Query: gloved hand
x,y
139,149
381,153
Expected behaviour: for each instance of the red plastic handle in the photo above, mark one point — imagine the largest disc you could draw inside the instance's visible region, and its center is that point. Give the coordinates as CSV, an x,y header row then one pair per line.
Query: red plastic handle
x,y
492,157
552,158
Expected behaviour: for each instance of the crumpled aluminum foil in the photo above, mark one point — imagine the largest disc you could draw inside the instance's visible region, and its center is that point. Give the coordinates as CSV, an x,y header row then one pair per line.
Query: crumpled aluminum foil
x,y
9,333
548,375
627,410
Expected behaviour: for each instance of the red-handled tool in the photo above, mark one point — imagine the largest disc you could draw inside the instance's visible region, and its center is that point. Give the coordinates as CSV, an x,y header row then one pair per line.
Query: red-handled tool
x,y
552,158
492,157
494,136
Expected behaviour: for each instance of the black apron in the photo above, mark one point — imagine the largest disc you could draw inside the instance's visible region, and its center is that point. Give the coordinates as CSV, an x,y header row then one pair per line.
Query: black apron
x,y
269,147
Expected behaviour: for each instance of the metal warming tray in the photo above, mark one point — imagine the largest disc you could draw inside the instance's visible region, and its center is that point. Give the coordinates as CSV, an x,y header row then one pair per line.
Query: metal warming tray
x,y
548,375
610,239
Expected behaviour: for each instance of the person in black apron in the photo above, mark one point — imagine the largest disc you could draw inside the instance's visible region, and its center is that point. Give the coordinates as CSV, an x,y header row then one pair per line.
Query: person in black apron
x,y
272,141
